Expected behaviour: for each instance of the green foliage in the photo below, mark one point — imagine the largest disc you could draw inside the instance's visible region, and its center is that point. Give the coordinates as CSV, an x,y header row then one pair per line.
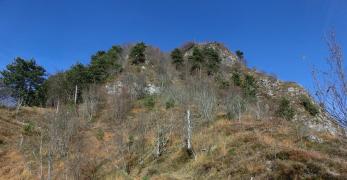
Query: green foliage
x,y
137,53
212,60
145,178
100,135
222,83
232,152
249,86
170,103
103,64
308,105
61,86
239,54
285,110
25,78
206,58
29,128
149,102
177,58
196,60
236,77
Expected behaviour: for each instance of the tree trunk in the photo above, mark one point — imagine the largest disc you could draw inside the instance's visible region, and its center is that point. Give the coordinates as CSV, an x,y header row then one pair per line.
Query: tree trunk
x,y
189,147
76,90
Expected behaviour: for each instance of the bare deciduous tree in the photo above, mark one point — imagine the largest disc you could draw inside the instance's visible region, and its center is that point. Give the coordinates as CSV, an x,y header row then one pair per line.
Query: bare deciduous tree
x,y
331,84
202,92
91,102
121,105
235,106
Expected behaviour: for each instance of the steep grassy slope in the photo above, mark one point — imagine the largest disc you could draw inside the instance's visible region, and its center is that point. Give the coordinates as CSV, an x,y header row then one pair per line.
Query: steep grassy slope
x,y
225,149
135,127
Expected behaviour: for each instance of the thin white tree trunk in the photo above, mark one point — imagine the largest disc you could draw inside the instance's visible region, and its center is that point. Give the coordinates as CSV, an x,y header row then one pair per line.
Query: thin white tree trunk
x,y
58,104
41,159
189,136
49,170
76,90
189,131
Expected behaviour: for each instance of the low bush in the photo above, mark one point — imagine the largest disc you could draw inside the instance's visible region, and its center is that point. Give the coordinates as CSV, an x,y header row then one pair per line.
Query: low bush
x,y
285,110
149,102
309,106
29,128
170,103
100,134
236,78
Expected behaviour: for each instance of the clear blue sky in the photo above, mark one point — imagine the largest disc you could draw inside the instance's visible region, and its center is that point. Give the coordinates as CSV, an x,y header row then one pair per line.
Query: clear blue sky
x,y
275,35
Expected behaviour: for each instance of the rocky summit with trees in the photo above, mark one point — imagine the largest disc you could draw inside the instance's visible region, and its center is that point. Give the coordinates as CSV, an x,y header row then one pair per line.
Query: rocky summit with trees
x,y
198,112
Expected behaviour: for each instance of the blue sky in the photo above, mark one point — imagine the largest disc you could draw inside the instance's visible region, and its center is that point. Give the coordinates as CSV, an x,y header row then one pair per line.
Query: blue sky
x,y
275,35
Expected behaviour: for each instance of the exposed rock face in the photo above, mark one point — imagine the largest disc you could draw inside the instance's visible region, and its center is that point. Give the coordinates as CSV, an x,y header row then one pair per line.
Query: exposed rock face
x,y
114,88
276,89
117,87
314,139
152,89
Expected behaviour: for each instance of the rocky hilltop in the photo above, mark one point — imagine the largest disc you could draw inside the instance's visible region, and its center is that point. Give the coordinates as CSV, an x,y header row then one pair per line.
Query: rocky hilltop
x,y
196,113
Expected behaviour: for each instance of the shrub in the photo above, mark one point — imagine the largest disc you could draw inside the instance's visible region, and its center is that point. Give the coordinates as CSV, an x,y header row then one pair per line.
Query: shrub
x,y
170,103
285,110
222,83
29,128
308,105
145,178
100,134
236,77
232,152
149,102
235,107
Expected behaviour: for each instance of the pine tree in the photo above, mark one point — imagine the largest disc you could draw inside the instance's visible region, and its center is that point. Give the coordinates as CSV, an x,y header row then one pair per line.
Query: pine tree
x,y
177,58
212,60
196,60
25,78
137,53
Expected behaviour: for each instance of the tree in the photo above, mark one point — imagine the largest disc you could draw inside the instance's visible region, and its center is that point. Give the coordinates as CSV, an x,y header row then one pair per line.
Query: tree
x,y
57,89
331,85
137,53
235,106
249,87
240,56
25,78
196,60
212,60
177,58
103,64
5,92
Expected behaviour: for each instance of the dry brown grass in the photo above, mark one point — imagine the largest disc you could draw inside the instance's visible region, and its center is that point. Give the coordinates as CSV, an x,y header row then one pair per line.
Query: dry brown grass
x,y
225,149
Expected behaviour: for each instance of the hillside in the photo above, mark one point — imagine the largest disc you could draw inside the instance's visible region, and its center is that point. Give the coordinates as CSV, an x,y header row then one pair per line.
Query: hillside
x,y
206,116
